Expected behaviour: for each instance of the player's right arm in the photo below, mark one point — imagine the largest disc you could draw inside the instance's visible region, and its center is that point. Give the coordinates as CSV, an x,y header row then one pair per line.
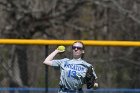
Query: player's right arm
x,y
48,60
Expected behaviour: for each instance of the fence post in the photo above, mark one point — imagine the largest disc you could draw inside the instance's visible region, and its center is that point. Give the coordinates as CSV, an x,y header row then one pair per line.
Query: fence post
x,y
46,70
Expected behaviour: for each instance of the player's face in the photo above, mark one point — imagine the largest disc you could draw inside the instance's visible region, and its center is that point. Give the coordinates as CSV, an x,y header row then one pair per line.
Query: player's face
x,y
77,49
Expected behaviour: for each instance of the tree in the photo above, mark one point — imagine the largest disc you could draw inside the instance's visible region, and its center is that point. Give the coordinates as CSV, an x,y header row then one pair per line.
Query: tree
x,y
75,19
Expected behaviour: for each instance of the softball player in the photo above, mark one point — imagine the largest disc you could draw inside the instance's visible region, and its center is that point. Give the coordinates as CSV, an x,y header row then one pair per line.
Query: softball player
x,y
72,71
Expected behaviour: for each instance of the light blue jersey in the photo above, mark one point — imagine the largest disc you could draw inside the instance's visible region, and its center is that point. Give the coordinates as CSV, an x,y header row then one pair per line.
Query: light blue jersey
x,y
72,71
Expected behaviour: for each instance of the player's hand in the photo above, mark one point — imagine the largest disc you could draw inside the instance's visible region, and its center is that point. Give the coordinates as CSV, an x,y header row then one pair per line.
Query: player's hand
x,y
95,85
61,49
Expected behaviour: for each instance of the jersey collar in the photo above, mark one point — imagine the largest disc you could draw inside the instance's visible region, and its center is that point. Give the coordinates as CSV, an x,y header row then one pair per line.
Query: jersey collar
x,y
77,59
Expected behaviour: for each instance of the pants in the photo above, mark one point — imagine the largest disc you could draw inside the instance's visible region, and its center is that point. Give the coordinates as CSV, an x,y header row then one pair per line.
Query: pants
x,y
65,90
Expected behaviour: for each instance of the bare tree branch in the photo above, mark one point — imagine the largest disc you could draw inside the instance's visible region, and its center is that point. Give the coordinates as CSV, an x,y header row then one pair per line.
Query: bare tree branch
x,y
126,12
121,9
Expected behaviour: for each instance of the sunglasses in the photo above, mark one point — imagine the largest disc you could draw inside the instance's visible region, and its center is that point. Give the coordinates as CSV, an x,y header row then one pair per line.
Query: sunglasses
x,y
79,48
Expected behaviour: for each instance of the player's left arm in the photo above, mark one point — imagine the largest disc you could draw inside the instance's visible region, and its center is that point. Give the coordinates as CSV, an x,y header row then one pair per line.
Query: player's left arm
x,y
90,79
96,85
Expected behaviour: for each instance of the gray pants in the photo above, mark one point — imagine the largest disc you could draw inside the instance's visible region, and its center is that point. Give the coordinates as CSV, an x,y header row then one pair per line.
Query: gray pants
x,y
63,90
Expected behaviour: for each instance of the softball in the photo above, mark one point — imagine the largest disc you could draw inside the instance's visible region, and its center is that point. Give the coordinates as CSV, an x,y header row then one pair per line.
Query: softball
x,y
61,48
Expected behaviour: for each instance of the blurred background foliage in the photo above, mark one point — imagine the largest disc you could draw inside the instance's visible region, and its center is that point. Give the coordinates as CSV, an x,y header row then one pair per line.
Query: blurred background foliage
x,y
22,65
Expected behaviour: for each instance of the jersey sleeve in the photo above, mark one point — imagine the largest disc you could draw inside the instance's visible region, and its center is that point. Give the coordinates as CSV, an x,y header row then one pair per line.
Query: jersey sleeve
x,y
93,70
94,73
57,63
